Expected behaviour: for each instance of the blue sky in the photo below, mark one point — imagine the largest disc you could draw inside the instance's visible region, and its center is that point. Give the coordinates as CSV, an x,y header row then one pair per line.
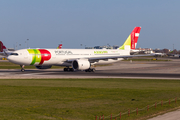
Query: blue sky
x,y
47,23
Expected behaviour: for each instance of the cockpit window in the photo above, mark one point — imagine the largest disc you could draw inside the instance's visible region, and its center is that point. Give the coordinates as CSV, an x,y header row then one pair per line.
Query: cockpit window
x,y
14,54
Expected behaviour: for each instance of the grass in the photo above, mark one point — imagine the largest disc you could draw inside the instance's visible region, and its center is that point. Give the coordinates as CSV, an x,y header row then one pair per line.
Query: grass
x,y
83,99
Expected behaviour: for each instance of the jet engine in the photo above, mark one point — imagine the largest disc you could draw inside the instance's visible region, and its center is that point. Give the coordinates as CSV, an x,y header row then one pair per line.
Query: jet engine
x,y
44,67
81,64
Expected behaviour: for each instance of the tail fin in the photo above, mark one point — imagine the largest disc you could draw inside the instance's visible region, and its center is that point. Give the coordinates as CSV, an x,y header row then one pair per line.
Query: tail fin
x,y
60,46
2,47
131,41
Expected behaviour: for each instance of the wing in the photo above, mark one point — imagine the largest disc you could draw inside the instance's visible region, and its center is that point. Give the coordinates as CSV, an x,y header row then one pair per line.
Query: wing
x,y
94,59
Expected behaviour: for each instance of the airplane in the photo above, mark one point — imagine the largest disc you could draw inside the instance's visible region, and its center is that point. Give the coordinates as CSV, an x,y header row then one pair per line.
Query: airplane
x,y
74,59
2,47
60,46
4,52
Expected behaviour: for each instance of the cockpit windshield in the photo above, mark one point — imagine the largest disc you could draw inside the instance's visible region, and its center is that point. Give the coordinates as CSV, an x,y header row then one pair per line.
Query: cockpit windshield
x,y
14,54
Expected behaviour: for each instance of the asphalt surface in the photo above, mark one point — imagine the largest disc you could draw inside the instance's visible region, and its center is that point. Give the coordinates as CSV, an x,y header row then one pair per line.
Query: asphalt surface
x,y
122,69
82,74
175,115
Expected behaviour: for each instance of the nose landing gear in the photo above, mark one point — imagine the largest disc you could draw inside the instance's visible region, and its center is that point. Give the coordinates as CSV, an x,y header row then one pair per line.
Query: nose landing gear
x,y
22,68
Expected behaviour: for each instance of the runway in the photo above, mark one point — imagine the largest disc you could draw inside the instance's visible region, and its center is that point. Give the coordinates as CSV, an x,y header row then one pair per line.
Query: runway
x,y
122,69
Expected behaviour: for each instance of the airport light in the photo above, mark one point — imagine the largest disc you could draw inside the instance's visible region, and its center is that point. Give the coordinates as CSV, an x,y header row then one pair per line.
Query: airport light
x,y
27,42
19,46
16,45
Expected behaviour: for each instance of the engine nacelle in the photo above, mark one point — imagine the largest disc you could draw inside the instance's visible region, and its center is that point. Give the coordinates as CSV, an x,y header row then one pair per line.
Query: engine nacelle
x,y
81,64
44,67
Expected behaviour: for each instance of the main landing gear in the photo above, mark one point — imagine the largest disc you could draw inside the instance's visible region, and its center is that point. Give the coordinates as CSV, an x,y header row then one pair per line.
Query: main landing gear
x,y
22,68
68,69
90,70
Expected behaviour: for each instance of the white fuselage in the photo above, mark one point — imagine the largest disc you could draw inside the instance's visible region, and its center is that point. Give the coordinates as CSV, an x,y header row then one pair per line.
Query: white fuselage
x,y
60,57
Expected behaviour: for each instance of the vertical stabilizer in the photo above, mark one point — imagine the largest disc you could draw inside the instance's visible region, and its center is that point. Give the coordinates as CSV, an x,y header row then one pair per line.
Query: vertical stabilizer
x,y
60,46
132,39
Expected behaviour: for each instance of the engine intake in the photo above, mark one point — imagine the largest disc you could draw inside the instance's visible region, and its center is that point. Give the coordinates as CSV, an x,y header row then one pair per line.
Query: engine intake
x,y
81,64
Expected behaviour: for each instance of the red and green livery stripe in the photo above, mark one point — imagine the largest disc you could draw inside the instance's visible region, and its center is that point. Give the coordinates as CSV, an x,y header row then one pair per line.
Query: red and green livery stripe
x,y
39,56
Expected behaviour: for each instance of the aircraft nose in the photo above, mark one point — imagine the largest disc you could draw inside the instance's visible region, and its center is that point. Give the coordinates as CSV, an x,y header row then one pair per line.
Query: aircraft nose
x,y
9,58
13,59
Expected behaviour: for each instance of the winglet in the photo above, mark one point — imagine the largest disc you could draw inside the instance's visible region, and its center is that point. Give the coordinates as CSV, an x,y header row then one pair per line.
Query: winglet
x,y
2,47
131,41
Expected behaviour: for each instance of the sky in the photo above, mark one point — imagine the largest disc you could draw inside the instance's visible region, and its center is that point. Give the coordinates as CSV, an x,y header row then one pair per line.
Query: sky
x,y
80,23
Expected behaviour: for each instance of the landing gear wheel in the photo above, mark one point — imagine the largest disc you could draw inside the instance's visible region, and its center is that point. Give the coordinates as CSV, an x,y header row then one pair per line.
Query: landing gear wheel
x,y
71,69
90,70
22,68
93,69
68,69
65,69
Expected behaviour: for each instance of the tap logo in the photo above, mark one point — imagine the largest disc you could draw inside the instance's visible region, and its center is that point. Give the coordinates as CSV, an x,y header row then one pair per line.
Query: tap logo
x,y
39,56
